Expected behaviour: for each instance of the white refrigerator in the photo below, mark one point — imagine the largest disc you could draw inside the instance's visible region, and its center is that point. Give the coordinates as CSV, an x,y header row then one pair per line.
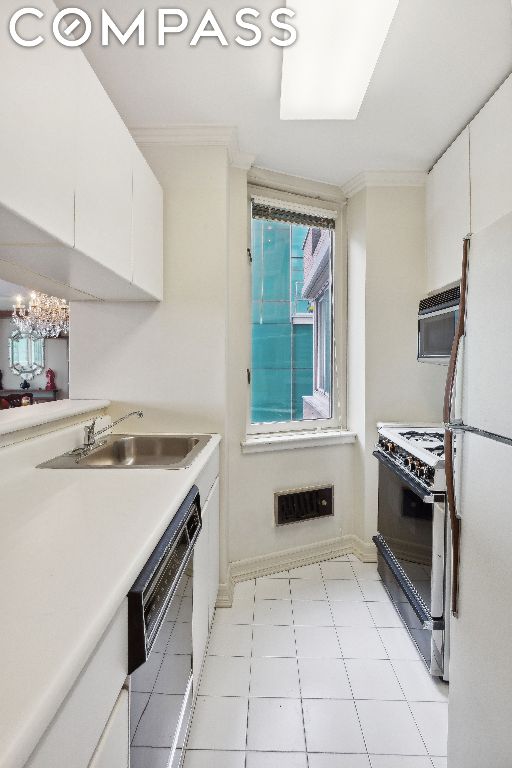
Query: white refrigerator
x,y
480,701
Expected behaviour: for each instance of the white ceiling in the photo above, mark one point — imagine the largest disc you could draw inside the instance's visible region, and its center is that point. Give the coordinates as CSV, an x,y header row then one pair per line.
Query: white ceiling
x,y
441,61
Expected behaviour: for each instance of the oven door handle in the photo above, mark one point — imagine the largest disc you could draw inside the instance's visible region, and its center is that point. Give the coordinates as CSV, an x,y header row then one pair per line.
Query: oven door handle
x,y
407,587
448,436
415,486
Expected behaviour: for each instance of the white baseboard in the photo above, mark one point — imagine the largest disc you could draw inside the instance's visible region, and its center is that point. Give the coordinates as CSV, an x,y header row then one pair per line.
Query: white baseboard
x,y
266,565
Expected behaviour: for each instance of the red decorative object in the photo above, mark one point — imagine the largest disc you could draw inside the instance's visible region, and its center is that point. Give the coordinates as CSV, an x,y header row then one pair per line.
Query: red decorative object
x,y
50,380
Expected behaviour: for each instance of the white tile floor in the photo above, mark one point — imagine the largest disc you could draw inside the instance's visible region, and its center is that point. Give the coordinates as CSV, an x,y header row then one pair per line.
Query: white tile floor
x,y
312,668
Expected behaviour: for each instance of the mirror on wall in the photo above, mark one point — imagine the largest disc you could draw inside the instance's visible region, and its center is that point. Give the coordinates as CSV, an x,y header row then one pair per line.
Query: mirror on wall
x,y
26,354
34,346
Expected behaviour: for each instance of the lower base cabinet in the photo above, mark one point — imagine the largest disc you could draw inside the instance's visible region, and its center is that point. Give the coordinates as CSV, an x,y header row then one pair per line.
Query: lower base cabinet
x,y
92,728
113,750
72,738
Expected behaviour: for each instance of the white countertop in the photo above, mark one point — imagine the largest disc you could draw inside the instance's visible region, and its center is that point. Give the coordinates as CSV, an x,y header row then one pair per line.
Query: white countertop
x,y
72,545
16,419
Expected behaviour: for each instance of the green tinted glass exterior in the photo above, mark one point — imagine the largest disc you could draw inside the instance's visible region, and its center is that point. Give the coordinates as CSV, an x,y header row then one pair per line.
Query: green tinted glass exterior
x,y
282,352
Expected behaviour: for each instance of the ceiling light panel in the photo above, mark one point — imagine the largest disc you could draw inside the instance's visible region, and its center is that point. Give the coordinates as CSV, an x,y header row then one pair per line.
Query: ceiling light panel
x,y
327,71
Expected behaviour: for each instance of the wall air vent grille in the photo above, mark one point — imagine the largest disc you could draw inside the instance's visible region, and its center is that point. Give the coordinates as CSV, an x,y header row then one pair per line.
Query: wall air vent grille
x,y
305,504
438,301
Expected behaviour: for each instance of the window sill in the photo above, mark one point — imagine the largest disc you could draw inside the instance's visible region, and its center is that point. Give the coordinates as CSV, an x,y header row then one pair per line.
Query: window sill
x,y
287,441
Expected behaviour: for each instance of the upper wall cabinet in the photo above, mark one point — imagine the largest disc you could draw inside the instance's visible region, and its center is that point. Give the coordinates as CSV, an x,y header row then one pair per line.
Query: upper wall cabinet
x,y
448,213
37,130
103,185
147,229
491,159
79,206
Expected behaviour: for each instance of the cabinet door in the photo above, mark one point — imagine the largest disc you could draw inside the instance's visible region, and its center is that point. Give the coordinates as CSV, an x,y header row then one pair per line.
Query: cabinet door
x,y
113,748
103,218
72,738
200,598
39,100
491,159
213,549
147,228
448,214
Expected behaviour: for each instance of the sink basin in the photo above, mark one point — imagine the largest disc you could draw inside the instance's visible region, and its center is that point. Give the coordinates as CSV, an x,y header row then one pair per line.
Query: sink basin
x,y
136,452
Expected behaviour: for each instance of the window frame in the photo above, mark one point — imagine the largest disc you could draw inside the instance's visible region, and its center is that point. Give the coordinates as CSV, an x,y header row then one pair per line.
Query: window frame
x,y
338,314
319,358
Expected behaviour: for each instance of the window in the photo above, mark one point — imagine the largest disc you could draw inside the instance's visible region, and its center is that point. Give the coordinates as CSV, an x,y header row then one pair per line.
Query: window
x,y
292,314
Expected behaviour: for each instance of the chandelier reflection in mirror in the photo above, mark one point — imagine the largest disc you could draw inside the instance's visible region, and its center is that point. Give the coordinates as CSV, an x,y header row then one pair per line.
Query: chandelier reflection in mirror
x,y
45,316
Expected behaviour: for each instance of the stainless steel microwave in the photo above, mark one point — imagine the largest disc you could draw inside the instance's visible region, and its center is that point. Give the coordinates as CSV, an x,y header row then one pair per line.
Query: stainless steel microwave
x,y
437,322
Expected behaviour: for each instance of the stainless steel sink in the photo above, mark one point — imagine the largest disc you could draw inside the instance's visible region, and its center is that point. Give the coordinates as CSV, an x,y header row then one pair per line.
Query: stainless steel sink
x,y
135,452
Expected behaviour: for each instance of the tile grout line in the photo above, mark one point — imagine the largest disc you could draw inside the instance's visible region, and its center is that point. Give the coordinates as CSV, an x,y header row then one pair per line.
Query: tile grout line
x,y
250,676
298,675
343,659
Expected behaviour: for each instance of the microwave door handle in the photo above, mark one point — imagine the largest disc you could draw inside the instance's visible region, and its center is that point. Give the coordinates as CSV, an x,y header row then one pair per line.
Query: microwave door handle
x,y
448,439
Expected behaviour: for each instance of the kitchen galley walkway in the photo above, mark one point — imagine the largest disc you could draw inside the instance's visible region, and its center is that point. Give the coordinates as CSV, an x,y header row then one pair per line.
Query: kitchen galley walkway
x,y
312,668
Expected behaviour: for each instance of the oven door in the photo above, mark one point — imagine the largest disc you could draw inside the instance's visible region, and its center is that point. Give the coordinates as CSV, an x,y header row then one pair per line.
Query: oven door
x,y
405,523
161,689
411,546
436,331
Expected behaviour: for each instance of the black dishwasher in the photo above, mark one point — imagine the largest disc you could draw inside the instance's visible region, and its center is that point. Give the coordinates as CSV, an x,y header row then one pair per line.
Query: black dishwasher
x,y
160,644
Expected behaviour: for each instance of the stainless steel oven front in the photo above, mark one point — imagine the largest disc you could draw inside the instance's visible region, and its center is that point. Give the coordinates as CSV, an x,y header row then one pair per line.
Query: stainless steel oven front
x,y
160,644
414,560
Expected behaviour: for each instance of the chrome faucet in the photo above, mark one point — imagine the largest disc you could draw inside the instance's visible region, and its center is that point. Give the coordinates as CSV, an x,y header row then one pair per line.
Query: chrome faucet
x,y
90,435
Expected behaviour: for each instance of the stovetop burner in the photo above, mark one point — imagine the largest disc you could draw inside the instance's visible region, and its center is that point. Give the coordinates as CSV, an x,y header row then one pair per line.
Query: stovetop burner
x,y
423,437
437,450
417,450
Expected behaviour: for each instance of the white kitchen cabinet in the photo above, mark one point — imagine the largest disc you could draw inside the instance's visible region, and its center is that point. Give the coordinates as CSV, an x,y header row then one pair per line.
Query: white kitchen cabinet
x,y
79,206
39,101
114,748
73,736
491,159
147,228
448,214
103,189
206,577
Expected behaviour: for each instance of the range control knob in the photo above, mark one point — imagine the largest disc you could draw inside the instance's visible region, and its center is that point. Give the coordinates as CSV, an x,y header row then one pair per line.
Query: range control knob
x,y
408,462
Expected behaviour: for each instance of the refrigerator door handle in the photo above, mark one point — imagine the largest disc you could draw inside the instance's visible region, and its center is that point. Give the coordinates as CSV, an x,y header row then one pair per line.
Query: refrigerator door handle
x,y
460,427
459,333
448,436
454,519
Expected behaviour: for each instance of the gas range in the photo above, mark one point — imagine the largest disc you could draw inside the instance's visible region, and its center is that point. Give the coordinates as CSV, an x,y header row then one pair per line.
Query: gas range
x,y
417,450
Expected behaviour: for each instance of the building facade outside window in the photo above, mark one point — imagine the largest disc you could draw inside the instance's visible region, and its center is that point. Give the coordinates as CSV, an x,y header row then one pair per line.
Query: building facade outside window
x,y
292,318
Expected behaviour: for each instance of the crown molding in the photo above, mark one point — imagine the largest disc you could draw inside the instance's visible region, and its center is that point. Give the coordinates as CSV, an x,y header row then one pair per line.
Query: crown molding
x,y
196,136
384,179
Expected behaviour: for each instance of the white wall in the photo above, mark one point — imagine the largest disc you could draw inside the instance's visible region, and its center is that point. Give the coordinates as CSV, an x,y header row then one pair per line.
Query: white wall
x,y
387,277
56,357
